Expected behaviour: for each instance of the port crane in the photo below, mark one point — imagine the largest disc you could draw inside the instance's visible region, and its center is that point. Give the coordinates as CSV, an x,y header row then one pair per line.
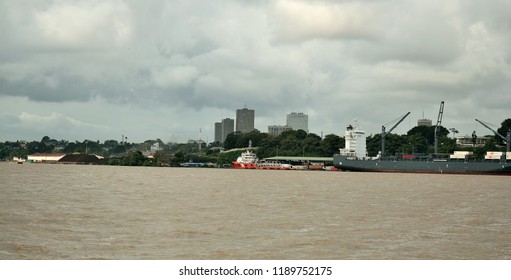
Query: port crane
x,y
384,134
438,124
507,138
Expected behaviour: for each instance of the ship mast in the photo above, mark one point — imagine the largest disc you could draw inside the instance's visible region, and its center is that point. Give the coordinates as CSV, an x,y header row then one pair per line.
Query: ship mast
x,y
507,138
438,123
384,134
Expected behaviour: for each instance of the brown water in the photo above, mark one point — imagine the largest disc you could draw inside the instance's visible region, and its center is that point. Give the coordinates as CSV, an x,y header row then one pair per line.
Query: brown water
x,y
104,212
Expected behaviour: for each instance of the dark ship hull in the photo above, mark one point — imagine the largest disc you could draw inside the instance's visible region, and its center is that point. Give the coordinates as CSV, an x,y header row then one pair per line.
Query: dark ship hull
x,y
497,167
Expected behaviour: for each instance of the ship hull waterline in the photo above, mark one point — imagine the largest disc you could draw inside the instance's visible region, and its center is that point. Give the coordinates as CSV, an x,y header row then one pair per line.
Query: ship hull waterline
x,y
435,167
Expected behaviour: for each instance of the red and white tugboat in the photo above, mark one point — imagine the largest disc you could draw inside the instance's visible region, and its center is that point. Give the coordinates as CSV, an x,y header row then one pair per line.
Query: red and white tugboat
x,y
247,160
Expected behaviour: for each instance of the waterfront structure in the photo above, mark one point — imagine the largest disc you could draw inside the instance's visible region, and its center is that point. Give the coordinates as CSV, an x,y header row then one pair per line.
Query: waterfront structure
x,y
278,129
298,121
223,128
41,157
245,120
81,159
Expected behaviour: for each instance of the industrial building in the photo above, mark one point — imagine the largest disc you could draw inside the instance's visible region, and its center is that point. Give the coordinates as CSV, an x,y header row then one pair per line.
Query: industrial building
x,y
39,157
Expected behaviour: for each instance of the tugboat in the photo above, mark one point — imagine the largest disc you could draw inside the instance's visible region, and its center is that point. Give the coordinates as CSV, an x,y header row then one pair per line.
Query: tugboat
x,y
247,160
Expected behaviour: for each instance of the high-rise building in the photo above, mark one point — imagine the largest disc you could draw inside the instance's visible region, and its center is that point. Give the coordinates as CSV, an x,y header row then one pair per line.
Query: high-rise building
x,y
277,129
227,128
245,120
218,132
298,121
222,129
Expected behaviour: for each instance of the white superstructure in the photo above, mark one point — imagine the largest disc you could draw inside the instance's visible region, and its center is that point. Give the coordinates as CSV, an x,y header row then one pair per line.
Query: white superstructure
x,y
247,157
355,143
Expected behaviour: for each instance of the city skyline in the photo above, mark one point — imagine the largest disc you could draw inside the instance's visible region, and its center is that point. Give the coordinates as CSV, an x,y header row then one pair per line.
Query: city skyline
x,y
245,123
165,69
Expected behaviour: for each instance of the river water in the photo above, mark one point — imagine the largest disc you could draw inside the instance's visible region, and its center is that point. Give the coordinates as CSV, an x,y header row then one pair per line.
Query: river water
x,y
106,212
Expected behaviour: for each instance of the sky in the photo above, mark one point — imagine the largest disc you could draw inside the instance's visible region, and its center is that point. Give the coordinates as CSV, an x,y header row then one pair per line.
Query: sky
x,y
170,69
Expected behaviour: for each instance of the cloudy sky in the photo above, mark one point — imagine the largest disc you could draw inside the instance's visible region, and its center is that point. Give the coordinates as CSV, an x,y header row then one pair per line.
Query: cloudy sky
x,y
97,70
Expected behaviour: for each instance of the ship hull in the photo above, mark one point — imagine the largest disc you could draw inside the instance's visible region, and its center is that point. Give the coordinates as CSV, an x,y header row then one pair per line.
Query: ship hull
x,y
412,166
246,165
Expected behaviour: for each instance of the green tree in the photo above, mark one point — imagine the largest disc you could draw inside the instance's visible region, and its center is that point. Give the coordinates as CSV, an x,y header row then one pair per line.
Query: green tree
x,y
311,145
415,144
178,158
503,130
134,159
231,140
331,145
290,144
268,147
38,147
301,134
446,145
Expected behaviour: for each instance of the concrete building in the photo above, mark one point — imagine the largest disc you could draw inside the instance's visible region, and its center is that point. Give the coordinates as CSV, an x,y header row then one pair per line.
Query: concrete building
x,y
424,122
468,141
155,147
298,121
227,128
223,128
218,132
245,120
278,129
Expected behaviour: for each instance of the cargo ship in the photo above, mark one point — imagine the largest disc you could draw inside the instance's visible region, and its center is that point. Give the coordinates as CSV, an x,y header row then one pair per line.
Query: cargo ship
x,y
354,158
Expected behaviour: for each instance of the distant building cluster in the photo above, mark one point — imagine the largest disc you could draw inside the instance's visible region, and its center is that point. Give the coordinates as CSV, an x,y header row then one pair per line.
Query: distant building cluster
x,y
245,120
294,121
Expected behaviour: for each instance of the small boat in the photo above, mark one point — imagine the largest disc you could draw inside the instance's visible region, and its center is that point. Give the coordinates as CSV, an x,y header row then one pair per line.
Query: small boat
x,y
274,165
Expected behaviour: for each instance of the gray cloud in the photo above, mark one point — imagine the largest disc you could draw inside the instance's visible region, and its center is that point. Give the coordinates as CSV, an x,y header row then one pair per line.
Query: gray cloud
x,y
335,60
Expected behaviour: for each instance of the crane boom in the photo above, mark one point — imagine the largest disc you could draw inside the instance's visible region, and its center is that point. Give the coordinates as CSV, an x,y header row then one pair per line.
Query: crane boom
x,y
494,131
507,139
384,134
438,123
400,121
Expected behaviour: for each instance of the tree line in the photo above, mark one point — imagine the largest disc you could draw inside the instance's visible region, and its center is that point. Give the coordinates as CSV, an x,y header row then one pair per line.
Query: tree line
x,y
418,140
